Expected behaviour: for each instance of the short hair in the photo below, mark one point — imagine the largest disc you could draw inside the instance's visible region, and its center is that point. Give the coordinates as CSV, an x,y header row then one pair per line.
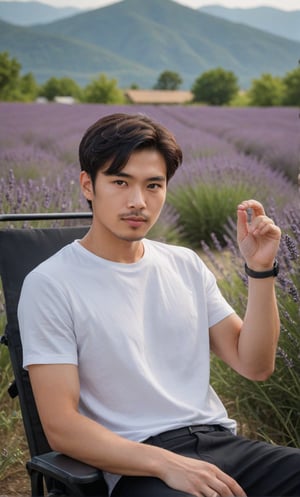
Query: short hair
x,y
112,139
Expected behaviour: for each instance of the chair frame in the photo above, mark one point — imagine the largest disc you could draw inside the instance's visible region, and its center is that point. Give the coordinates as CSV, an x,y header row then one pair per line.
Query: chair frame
x,y
47,469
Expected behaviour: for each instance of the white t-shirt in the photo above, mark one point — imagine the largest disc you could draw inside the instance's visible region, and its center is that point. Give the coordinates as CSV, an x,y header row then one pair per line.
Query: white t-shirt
x,y
137,332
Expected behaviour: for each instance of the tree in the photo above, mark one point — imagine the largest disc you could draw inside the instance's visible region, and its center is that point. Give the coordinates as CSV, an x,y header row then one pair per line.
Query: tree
x,y
9,76
29,89
267,91
13,86
69,87
103,90
215,87
291,83
63,87
168,80
50,89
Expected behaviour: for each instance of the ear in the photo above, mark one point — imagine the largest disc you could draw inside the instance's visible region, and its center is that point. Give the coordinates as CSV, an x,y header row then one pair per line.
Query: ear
x,y
86,185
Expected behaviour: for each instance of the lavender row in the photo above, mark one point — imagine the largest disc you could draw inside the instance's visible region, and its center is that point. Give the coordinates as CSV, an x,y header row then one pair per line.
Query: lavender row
x,y
39,164
271,134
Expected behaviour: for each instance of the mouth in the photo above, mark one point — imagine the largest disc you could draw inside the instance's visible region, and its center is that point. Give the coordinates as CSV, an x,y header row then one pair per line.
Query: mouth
x,y
134,221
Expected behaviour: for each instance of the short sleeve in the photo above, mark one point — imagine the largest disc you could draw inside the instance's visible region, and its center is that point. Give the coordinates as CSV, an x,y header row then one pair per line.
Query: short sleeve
x,y
45,322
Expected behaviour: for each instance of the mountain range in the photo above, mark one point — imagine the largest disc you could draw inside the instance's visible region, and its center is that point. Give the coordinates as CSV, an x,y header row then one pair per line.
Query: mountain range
x,y
29,13
135,40
278,22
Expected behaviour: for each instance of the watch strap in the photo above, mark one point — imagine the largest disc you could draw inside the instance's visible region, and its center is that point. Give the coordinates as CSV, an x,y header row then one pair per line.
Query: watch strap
x,y
263,274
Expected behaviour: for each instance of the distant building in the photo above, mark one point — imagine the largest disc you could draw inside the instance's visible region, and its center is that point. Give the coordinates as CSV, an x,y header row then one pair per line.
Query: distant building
x,y
41,100
158,96
64,100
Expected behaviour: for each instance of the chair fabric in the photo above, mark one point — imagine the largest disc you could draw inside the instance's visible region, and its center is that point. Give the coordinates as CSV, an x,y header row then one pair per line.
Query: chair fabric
x,y
20,251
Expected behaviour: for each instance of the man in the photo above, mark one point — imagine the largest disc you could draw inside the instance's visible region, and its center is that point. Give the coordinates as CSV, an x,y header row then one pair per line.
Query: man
x,y
117,342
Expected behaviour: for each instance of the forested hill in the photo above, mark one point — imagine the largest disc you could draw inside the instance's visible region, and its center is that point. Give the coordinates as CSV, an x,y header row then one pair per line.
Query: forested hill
x,y
133,41
47,55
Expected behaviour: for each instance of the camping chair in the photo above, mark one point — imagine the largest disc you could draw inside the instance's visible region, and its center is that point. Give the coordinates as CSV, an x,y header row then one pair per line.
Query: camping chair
x,y
21,249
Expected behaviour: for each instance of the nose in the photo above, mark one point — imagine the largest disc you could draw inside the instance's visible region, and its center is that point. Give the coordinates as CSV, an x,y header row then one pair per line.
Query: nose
x,y
136,199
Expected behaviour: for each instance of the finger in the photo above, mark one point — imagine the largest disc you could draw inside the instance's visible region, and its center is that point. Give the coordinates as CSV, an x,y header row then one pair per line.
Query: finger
x,y
219,489
264,228
242,224
256,207
263,225
223,485
227,483
259,223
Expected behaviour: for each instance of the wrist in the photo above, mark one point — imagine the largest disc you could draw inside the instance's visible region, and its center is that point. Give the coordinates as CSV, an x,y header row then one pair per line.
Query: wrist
x,y
260,273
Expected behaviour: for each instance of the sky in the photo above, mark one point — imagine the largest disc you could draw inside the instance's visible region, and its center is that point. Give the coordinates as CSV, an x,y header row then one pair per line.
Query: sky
x,y
279,4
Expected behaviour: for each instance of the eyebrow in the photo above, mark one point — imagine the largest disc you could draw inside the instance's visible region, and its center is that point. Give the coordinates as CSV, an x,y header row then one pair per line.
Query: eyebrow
x,y
126,175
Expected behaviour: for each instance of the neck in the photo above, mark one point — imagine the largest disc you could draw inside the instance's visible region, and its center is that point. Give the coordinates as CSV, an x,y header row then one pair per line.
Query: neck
x,y
124,251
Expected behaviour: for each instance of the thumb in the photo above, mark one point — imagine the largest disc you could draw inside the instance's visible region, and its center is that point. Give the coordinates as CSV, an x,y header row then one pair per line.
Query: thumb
x,y
242,224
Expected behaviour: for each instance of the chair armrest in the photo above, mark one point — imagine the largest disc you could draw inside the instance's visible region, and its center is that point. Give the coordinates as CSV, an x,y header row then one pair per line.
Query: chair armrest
x,y
72,473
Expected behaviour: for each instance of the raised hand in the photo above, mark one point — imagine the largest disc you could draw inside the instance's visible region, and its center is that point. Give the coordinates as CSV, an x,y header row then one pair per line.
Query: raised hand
x,y
258,239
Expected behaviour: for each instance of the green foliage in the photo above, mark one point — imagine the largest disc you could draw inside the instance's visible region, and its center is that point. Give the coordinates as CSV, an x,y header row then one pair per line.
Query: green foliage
x,y
168,80
204,208
292,87
241,99
63,87
9,76
103,90
215,87
29,89
267,91
10,69
13,86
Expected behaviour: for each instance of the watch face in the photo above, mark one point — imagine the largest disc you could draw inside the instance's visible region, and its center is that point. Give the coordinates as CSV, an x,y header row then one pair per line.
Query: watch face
x,y
276,268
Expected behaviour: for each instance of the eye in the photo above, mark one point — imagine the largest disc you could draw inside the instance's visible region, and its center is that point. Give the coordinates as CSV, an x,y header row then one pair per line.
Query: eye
x,y
119,182
154,186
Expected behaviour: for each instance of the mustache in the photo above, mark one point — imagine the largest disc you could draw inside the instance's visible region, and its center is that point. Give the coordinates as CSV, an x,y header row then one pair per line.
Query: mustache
x,y
134,214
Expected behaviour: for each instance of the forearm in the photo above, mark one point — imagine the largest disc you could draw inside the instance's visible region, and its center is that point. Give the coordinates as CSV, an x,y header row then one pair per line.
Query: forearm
x,y
84,439
260,330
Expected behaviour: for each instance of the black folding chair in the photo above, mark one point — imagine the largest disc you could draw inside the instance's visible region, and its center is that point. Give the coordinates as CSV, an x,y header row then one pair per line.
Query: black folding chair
x,y
21,249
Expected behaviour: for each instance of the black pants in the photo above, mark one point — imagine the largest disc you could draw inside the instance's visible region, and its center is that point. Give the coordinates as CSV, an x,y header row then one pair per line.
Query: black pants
x,y
261,469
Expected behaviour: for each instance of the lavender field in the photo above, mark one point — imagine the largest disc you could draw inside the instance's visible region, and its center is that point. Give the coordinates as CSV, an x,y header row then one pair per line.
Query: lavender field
x,y
229,154
39,165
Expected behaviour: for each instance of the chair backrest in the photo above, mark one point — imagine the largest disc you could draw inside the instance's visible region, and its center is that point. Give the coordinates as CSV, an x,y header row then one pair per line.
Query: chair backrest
x,y
20,251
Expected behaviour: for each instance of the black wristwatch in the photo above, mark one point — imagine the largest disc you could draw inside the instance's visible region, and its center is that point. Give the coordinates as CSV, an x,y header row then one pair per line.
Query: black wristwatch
x,y
263,274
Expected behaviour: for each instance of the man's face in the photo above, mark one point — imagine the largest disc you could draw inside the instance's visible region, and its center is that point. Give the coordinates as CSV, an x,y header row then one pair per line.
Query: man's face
x,y
126,205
